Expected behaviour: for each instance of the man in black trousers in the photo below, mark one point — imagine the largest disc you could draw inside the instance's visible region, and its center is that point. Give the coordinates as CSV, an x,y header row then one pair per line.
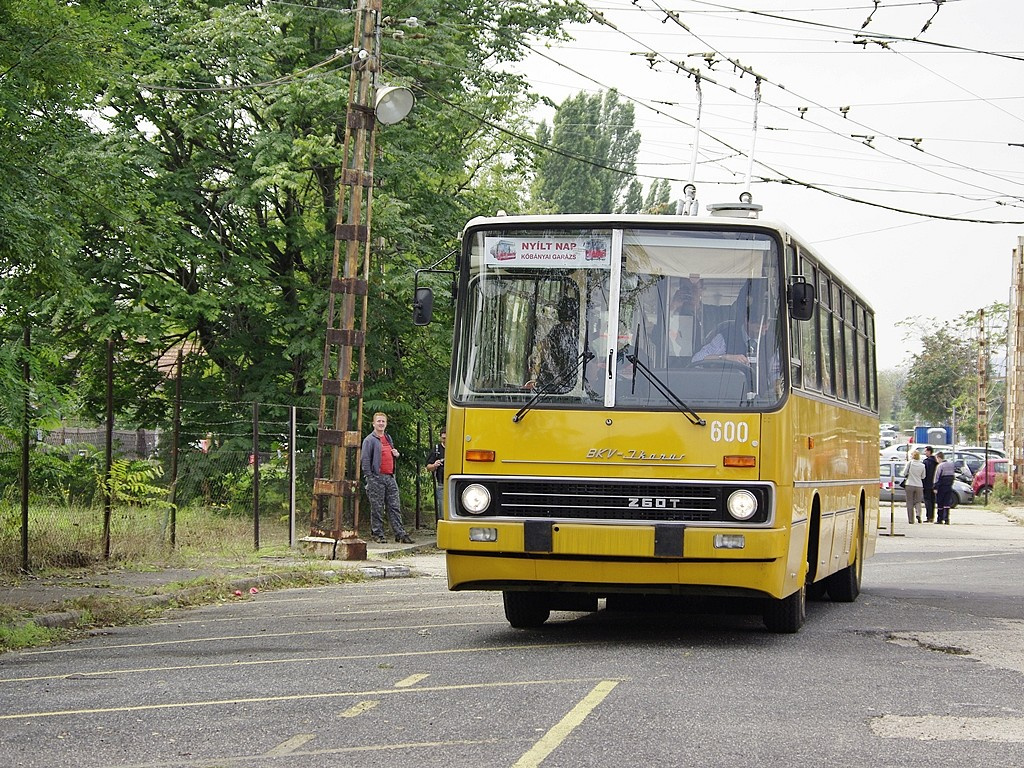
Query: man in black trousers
x,y
929,488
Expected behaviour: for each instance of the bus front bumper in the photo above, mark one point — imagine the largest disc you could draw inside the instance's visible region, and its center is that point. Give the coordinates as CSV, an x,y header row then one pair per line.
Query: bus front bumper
x,y
577,556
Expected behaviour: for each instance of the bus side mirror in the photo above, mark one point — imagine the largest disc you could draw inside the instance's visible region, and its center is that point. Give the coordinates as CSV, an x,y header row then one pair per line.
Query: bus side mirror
x,y
801,299
423,306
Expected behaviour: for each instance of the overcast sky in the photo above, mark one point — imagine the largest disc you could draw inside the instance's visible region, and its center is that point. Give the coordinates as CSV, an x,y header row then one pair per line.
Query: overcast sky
x,y
933,120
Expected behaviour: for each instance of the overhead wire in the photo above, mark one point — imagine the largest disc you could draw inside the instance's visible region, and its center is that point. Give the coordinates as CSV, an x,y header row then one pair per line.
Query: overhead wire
x,y
673,16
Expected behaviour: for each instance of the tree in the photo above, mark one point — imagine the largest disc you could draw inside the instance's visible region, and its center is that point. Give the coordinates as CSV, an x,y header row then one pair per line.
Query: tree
x,y
592,155
944,374
659,198
59,183
890,394
198,205
633,200
939,375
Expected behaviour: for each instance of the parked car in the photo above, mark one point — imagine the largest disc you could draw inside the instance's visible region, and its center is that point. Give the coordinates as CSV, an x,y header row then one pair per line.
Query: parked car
x,y
900,451
993,453
966,463
891,472
994,472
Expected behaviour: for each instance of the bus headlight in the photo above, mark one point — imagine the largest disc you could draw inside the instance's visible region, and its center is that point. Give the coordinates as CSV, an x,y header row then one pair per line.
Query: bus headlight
x,y
476,499
741,505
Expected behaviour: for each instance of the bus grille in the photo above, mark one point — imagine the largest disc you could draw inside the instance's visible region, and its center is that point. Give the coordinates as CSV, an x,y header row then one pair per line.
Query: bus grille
x,y
616,501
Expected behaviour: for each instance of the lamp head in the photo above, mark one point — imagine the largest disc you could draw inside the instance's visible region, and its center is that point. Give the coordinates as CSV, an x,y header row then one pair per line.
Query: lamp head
x,y
392,104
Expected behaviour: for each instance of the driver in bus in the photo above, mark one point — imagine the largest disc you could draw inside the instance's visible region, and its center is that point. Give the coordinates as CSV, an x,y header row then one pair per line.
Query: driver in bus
x,y
559,352
743,341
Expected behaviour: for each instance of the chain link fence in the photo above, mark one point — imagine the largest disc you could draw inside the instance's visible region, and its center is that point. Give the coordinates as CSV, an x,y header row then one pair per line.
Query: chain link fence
x,y
240,479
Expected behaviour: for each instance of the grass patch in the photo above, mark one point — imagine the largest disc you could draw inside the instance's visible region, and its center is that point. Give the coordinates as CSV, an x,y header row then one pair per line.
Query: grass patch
x,y
91,612
27,635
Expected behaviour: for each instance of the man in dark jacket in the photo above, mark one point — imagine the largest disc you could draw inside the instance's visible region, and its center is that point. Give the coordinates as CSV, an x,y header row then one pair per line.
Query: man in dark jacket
x,y
945,474
377,462
929,489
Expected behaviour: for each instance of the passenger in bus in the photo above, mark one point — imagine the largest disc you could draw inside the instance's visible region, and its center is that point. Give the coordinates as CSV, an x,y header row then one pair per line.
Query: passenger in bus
x,y
559,352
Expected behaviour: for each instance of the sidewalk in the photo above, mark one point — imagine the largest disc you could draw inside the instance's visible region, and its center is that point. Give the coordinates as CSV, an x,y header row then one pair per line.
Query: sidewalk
x,y
51,600
972,527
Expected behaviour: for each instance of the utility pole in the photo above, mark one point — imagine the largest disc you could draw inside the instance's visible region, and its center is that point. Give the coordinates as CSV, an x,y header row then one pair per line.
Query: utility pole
x,y
982,380
1014,422
336,482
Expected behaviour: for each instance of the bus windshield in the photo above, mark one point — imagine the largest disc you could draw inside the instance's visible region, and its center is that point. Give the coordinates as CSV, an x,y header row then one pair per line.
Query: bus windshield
x,y
620,318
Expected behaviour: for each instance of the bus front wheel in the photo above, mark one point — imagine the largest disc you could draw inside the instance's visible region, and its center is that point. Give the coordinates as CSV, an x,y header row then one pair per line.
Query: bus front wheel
x,y
787,615
526,610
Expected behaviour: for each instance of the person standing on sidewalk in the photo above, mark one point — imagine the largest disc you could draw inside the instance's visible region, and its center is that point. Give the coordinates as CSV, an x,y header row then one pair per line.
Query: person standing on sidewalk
x,y
913,486
945,473
928,485
378,467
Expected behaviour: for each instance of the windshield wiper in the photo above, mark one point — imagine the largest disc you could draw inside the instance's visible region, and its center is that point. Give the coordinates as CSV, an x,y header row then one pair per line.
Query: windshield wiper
x,y
585,357
663,388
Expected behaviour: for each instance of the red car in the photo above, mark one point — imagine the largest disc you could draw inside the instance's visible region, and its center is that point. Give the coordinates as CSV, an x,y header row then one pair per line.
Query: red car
x,y
994,472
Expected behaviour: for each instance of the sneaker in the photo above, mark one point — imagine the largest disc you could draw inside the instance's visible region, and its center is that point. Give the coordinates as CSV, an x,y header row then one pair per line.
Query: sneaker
x,y
404,539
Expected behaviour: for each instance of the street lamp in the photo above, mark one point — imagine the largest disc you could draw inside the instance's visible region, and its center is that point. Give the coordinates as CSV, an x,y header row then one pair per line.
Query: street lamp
x,y
335,484
392,104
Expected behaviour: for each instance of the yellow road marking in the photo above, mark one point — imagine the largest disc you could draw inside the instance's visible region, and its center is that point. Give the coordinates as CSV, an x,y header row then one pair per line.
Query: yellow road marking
x,y
289,746
561,730
328,614
358,709
222,638
249,760
305,660
292,697
410,681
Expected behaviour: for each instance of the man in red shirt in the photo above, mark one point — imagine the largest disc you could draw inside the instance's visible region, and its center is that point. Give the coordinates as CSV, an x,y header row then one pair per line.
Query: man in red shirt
x,y
378,467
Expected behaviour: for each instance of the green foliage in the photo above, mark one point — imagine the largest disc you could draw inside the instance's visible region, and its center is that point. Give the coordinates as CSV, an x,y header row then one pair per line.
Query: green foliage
x,y
172,170
66,476
593,156
1003,492
27,635
943,374
939,375
130,483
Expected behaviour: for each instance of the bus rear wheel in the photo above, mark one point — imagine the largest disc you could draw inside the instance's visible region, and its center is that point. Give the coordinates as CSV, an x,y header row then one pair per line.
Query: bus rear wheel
x,y
844,585
526,610
787,615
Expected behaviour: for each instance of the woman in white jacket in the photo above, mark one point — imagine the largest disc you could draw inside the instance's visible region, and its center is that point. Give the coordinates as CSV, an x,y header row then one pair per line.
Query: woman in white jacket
x,y
913,485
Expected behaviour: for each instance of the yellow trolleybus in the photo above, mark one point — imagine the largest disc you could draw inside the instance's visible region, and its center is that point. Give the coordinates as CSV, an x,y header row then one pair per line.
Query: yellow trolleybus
x,y
657,405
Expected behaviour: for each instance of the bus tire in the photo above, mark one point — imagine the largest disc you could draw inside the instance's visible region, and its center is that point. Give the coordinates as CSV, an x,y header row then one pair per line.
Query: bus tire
x,y
787,615
844,585
816,590
526,610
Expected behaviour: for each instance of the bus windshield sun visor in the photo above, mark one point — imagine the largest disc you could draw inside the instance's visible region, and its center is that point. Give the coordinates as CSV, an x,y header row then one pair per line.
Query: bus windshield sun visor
x,y
555,386
692,416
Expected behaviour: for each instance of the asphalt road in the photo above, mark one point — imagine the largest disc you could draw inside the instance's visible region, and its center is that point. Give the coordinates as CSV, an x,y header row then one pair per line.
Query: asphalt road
x,y
925,669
